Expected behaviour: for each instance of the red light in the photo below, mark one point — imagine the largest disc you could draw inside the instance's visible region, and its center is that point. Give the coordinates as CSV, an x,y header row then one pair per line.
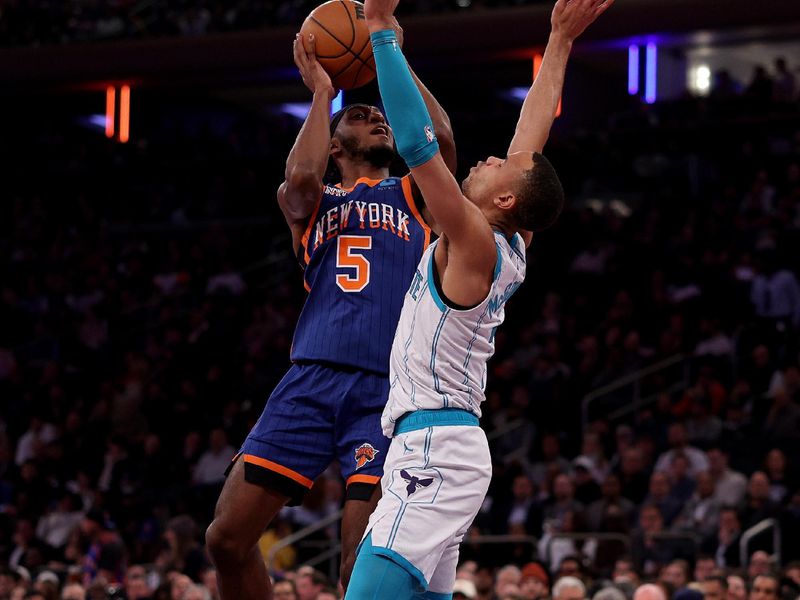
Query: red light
x,y
111,99
124,113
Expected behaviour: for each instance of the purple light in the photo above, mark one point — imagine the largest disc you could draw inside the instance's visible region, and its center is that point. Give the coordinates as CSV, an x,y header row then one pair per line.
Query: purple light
x,y
650,73
338,102
633,70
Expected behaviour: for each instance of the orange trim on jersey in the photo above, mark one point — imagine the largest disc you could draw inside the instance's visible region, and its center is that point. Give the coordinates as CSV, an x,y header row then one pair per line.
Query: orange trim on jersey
x,y
268,464
367,180
371,479
307,234
409,194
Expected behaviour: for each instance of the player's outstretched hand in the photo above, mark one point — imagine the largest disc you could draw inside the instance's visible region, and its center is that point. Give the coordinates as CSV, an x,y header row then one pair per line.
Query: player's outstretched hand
x,y
305,57
570,18
380,14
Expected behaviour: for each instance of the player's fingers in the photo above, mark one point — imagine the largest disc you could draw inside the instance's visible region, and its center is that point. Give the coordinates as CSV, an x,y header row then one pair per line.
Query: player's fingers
x,y
603,7
312,48
299,53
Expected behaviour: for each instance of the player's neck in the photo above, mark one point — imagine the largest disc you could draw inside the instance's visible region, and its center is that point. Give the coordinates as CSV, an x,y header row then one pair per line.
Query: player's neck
x,y
355,171
501,227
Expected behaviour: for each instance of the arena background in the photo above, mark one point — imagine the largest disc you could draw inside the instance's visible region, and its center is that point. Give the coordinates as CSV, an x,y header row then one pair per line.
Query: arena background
x,y
149,295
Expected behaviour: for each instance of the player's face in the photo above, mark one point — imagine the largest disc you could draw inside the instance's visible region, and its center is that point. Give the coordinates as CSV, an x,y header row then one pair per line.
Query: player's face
x,y
496,176
367,126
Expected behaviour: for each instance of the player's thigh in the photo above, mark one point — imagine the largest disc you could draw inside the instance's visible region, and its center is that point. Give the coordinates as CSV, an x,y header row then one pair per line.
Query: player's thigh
x,y
444,577
293,440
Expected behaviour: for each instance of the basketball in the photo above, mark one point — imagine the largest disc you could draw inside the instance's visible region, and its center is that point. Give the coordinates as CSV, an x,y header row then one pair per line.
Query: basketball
x,y
342,39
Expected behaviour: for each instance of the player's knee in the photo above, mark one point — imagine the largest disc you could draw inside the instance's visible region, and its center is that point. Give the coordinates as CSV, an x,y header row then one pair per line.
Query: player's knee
x,y
224,546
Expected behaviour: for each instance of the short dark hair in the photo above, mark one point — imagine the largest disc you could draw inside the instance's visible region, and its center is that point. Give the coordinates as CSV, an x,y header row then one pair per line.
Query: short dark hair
x,y
723,581
540,197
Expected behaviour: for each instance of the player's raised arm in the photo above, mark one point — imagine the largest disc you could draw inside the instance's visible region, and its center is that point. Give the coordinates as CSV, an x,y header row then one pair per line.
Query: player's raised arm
x,y
308,159
568,21
460,220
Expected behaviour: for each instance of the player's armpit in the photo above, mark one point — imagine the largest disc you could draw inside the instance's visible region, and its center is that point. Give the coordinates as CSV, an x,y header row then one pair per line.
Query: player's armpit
x,y
299,194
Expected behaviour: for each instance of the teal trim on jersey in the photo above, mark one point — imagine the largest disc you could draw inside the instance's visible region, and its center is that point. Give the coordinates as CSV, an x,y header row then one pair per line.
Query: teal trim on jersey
x,y
499,264
442,417
432,285
433,596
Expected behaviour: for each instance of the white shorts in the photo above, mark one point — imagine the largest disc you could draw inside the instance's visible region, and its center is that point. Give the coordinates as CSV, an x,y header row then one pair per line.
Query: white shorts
x,y
434,482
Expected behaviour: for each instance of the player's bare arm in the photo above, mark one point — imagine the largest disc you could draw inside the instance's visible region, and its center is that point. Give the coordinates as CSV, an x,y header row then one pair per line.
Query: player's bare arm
x,y
568,21
466,258
308,159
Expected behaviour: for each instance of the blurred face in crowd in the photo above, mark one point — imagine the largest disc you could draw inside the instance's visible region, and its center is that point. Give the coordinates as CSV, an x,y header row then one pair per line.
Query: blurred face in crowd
x,y
327,596
306,590
180,584
283,590
677,435
569,567
759,564
136,585
522,488
624,571
675,574
713,589
570,593
737,590
705,485
632,461
611,487
73,591
550,447
793,573
562,488
717,461
483,581
507,576
703,568
532,588
650,520
659,486
758,486
679,467
764,588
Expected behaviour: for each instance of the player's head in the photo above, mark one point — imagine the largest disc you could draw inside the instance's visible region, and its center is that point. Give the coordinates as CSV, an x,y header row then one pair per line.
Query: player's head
x,y
360,133
521,191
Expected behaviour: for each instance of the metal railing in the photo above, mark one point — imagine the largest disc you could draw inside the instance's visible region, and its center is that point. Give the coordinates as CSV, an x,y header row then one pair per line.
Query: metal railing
x,y
635,379
757,529
597,536
303,533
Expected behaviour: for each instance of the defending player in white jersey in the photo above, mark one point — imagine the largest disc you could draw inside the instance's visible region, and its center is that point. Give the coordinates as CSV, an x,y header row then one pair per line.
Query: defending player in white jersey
x,y
438,468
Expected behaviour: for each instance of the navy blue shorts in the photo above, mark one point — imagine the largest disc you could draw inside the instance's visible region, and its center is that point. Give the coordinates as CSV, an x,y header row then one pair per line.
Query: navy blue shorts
x,y
317,414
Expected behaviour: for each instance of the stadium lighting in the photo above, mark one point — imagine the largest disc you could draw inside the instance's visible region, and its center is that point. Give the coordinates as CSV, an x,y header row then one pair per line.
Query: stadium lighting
x,y
633,70
702,79
124,113
338,102
111,101
650,73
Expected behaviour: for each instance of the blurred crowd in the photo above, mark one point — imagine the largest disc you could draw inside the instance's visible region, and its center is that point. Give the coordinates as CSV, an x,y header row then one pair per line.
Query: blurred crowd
x,y
45,22
149,296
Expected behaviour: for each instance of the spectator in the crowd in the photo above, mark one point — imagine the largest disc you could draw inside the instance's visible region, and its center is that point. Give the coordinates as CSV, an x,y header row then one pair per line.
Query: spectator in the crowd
x,y
586,487
106,555
75,591
725,545
464,589
737,588
136,584
759,564
715,587
55,527
784,82
284,590
730,486
183,551
211,467
760,87
612,496
649,591
678,440
507,577
758,504
701,513
534,582
569,588
309,585
704,567
32,443
561,502
661,495
675,574
522,514
624,572
551,461
765,587
633,475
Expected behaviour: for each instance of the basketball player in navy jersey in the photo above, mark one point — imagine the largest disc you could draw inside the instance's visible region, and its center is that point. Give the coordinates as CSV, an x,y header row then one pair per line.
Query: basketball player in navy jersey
x,y
359,242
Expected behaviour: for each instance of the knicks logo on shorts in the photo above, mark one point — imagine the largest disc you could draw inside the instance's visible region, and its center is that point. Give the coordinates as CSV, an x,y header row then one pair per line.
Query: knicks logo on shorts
x,y
365,453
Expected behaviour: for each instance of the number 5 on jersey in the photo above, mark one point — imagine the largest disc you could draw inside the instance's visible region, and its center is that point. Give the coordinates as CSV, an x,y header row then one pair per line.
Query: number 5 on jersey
x,y
348,257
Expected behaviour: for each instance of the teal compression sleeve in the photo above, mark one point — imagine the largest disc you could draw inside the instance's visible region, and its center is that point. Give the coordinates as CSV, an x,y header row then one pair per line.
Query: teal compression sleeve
x,y
405,108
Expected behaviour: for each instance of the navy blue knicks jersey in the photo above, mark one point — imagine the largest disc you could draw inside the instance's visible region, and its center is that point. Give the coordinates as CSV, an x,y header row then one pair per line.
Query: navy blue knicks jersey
x,y
360,252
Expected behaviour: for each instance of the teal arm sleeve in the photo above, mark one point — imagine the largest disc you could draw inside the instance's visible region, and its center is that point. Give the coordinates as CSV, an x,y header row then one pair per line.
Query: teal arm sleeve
x,y
405,108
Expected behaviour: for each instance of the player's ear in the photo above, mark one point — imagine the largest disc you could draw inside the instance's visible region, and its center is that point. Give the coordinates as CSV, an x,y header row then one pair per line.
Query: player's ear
x,y
505,200
336,147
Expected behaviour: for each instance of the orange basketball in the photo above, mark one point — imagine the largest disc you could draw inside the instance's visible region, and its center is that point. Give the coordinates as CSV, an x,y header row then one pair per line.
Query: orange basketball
x,y
343,47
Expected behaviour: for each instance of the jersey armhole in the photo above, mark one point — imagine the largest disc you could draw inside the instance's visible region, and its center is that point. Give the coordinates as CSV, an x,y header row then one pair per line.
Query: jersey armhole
x,y
305,258
408,193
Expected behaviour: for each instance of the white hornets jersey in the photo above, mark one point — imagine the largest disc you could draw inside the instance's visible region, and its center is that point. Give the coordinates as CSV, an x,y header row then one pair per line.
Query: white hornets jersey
x,y
439,354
